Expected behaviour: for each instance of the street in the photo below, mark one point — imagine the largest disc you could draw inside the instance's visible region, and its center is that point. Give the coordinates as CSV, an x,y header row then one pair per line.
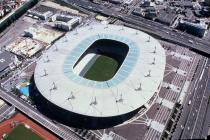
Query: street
x,y
151,27
191,121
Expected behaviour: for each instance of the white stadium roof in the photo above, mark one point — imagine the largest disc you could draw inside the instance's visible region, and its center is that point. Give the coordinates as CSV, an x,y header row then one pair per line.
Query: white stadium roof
x,y
132,86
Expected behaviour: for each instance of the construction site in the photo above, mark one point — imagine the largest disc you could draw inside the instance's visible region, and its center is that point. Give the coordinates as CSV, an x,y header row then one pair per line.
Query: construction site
x,y
25,47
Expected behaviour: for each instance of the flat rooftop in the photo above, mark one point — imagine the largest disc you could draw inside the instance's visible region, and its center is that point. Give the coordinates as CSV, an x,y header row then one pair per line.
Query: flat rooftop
x,y
5,60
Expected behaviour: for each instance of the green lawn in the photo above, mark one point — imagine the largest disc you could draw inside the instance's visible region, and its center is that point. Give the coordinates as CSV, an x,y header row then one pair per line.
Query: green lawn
x,y
22,133
103,69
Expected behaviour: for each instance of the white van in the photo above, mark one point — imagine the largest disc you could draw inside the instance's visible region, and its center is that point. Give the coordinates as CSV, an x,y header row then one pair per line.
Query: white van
x,y
190,41
189,102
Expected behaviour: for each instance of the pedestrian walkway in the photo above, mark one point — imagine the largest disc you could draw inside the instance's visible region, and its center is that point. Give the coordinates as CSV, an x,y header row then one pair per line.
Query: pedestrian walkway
x,y
171,87
165,103
179,71
185,57
106,137
157,126
115,136
184,92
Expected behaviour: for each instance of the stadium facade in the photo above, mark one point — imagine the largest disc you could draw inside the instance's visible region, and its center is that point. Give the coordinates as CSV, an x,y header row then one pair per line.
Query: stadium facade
x,y
61,90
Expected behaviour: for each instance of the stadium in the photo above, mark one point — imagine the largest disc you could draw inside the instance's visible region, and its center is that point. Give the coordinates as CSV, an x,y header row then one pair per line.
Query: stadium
x,y
98,76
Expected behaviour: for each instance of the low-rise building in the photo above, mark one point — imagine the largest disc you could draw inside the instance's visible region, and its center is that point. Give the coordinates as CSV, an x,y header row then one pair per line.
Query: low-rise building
x,y
6,6
138,11
115,1
167,16
127,2
147,12
197,29
66,22
8,62
185,4
145,3
207,2
205,11
40,15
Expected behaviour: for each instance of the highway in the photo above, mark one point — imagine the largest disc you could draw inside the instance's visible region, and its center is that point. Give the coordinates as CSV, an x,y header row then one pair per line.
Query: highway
x,y
191,121
199,123
35,115
198,110
151,27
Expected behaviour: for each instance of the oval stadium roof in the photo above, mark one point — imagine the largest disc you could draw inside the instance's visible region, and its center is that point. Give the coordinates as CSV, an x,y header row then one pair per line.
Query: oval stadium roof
x,y
133,85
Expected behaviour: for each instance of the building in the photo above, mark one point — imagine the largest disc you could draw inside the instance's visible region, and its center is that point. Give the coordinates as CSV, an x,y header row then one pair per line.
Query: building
x,y
8,62
197,29
60,90
184,4
167,16
43,16
147,12
115,1
138,11
66,22
6,6
207,2
205,11
126,2
146,3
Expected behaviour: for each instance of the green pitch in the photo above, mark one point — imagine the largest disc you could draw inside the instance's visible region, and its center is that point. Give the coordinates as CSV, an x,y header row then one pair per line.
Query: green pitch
x,y
103,69
22,133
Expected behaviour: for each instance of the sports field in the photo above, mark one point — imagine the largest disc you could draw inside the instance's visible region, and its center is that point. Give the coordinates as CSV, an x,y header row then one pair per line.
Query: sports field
x,y
103,69
22,133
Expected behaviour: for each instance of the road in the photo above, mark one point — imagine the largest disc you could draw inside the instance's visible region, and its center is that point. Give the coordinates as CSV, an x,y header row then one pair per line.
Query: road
x,y
35,115
191,121
5,110
206,123
197,129
151,27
